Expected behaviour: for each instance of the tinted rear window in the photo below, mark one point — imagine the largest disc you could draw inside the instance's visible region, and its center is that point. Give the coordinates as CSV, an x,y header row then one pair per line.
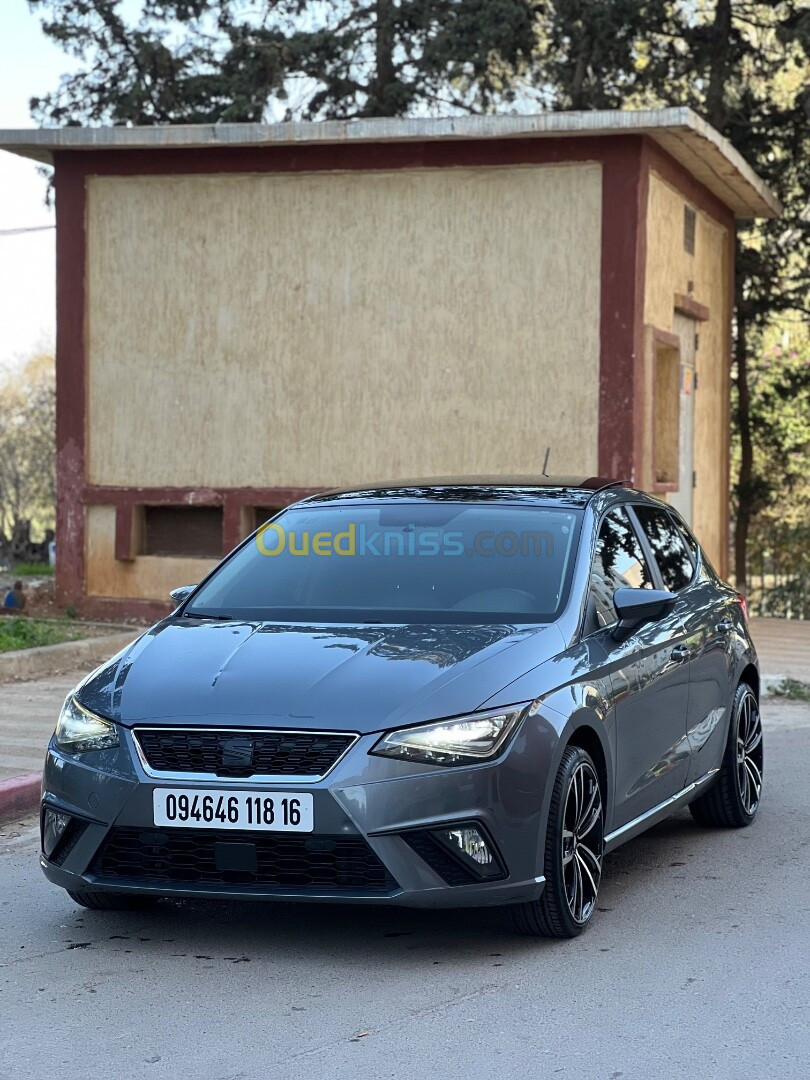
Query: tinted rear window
x,y
668,547
400,562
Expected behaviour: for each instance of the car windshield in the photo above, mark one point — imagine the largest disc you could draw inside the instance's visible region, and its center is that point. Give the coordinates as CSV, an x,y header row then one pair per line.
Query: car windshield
x,y
399,562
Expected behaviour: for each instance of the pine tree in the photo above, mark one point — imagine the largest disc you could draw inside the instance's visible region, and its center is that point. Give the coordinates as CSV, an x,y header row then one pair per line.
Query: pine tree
x,y
209,61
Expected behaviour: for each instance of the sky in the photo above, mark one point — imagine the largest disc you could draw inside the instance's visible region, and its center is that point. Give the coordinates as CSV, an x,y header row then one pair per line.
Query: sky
x,y
29,64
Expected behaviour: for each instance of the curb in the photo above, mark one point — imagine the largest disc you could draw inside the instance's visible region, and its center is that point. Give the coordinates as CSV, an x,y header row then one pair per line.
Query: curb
x,y
19,795
53,659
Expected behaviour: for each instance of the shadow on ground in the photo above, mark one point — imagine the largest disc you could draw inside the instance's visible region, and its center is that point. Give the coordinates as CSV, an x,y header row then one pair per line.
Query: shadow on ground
x,y
248,930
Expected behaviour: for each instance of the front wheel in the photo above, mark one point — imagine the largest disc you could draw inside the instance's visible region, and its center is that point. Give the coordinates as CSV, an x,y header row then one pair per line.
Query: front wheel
x,y
573,853
733,798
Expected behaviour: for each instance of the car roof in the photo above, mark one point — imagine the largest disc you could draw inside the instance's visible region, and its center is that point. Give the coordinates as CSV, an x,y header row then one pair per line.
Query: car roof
x,y
570,490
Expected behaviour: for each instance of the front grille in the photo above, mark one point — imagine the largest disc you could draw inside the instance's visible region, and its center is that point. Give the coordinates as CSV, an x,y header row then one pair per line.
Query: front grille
x,y
197,856
236,752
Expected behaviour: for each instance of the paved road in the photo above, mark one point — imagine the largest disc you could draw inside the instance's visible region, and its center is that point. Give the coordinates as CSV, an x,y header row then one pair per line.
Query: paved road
x,y
698,964
783,646
28,712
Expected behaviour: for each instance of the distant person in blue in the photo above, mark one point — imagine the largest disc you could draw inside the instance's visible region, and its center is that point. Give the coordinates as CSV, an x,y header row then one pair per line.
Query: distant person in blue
x,y
15,598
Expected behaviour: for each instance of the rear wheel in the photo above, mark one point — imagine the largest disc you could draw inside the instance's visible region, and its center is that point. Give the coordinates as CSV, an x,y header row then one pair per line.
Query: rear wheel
x,y
573,853
733,798
104,901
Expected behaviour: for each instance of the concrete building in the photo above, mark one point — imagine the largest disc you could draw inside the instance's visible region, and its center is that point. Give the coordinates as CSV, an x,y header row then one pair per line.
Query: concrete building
x,y
249,313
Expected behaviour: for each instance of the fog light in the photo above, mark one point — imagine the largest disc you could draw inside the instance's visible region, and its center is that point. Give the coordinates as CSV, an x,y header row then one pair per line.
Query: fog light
x,y
473,848
53,828
472,843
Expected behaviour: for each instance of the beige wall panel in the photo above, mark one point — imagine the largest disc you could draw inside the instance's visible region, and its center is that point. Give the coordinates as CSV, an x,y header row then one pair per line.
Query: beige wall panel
x,y
669,270
148,576
317,329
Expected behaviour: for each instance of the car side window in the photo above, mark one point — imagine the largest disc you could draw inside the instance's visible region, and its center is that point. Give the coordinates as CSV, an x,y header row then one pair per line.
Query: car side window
x,y
618,563
692,545
668,547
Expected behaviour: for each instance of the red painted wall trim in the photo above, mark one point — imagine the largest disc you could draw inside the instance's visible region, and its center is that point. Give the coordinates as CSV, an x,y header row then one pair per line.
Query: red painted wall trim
x,y
96,494
671,341
123,532
379,156
685,305
70,380
232,501
118,608
231,522
666,337
621,328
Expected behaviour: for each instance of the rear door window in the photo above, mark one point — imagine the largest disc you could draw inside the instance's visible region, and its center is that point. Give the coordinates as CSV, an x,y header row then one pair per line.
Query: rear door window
x,y
669,549
619,563
689,540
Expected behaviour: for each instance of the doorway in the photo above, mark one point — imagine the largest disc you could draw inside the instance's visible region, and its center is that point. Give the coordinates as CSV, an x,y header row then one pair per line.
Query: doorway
x,y
682,499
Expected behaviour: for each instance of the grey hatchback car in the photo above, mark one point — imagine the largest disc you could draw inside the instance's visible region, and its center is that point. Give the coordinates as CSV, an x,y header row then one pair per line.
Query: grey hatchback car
x,y
440,693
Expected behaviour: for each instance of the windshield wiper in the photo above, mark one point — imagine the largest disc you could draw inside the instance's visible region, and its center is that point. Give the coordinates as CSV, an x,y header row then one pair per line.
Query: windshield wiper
x,y
201,615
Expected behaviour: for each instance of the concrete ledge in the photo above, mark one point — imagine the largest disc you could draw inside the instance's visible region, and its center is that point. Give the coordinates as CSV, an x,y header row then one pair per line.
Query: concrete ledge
x,y
19,795
52,659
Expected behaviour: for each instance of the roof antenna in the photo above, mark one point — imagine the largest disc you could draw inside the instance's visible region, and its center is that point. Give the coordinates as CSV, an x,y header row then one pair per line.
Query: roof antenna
x,y
545,461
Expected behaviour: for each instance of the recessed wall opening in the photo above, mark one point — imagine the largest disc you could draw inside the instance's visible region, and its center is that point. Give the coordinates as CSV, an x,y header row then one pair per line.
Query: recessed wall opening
x,y
182,531
264,513
666,415
689,229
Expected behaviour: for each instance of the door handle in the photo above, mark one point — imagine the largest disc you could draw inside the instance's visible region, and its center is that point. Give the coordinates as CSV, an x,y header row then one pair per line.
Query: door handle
x,y
724,626
679,654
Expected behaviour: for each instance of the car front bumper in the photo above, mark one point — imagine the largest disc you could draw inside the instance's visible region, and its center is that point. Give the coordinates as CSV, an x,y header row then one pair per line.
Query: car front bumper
x,y
371,816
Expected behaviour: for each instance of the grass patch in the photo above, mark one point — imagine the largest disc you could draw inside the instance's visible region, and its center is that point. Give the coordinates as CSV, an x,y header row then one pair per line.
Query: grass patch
x,y
18,632
793,690
32,569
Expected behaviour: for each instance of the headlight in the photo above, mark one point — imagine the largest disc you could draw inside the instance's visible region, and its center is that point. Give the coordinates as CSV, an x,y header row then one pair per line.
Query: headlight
x,y
78,729
452,742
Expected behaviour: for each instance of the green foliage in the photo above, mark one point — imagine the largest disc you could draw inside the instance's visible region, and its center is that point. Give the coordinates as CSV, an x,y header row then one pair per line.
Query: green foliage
x,y
792,690
595,54
209,61
27,457
780,403
779,539
19,632
32,570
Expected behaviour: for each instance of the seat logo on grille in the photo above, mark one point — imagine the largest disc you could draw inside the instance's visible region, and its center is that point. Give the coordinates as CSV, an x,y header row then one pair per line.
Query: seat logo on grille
x,y
236,752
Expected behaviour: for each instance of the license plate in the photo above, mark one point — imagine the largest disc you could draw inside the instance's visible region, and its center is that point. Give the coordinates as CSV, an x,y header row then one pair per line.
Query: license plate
x,y
213,808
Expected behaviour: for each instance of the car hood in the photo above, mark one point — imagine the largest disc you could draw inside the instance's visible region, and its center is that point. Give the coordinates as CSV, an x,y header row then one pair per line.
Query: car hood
x,y
350,678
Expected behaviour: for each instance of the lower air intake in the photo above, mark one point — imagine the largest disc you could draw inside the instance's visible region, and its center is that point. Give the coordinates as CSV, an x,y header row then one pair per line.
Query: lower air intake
x,y
311,864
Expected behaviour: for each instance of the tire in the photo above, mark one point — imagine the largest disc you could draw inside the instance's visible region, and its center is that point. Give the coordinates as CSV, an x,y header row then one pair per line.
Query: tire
x,y
104,901
734,796
573,868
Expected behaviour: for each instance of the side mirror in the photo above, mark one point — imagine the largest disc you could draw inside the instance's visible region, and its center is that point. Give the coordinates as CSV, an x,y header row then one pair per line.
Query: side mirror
x,y
182,593
637,606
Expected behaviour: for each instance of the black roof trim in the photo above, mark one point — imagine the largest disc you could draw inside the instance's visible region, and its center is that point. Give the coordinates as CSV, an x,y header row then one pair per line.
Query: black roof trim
x,y
584,487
